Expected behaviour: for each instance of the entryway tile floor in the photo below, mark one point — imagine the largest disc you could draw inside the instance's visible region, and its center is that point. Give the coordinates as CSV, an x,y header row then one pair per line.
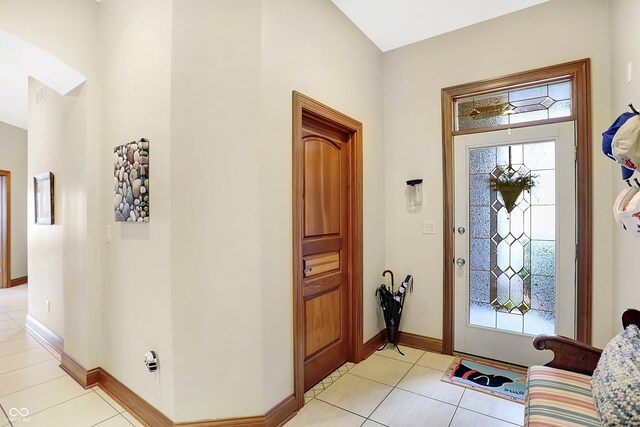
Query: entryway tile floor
x,y
34,391
388,389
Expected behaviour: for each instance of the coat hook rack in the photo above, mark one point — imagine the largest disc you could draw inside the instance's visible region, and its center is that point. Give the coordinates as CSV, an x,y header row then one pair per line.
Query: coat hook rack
x,y
634,110
633,183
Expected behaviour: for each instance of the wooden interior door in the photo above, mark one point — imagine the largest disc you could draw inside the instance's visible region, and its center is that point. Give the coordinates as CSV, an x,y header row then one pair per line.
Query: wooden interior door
x,y
325,248
5,229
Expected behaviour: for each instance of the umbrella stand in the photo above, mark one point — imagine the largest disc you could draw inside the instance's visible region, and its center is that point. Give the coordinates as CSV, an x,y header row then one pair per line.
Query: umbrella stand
x,y
392,338
391,303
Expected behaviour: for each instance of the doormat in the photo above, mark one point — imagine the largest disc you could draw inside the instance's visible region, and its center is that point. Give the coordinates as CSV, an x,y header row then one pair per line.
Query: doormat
x,y
485,377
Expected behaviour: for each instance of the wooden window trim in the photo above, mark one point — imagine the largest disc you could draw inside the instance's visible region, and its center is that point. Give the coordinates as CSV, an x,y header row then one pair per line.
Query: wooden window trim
x,y
579,74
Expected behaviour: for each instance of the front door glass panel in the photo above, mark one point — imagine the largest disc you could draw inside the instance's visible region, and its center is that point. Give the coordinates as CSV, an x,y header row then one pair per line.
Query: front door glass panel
x,y
512,280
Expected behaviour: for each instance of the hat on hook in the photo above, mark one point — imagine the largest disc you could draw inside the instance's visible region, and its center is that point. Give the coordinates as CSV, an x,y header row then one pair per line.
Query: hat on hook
x,y
626,173
607,139
627,210
616,204
625,146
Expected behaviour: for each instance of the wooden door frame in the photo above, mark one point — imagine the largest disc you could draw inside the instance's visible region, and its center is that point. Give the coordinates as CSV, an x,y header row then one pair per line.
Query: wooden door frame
x,y
579,73
306,106
5,226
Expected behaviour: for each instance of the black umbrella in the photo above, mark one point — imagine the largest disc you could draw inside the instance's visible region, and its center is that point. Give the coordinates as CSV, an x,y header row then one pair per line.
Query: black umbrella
x,y
391,303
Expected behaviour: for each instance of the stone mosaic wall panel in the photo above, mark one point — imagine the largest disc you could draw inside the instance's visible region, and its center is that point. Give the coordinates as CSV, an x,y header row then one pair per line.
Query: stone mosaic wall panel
x,y
131,181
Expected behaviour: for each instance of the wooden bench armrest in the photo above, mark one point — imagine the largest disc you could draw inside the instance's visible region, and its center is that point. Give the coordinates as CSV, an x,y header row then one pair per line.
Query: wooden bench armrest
x,y
569,354
631,317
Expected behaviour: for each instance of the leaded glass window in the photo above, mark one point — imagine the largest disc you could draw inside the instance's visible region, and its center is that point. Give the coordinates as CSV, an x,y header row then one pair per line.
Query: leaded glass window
x,y
535,103
512,254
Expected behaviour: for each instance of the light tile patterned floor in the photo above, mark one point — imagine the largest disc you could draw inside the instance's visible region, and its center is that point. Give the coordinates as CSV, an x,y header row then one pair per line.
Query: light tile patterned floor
x,y
387,389
392,390
34,391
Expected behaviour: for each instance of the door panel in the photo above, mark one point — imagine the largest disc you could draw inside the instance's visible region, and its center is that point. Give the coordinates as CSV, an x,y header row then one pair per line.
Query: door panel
x,y
520,265
323,320
322,187
325,246
321,264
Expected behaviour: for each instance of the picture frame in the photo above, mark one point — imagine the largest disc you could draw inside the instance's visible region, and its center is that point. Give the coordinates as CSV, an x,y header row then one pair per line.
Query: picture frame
x,y
131,182
43,194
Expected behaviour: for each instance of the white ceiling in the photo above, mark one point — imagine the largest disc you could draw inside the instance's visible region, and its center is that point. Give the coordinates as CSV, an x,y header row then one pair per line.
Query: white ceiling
x,y
18,61
395,23
13,97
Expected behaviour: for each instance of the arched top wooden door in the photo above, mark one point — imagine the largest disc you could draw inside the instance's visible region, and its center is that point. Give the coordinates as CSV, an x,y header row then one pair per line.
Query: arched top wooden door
x,y
327,241
325,251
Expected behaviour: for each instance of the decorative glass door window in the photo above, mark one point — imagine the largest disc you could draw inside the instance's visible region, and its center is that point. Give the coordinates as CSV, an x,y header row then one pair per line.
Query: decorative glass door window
x,y
532,104
512,280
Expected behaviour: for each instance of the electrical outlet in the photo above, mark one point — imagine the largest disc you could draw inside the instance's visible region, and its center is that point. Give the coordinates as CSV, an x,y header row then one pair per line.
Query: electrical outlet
x,y
47,306
107,234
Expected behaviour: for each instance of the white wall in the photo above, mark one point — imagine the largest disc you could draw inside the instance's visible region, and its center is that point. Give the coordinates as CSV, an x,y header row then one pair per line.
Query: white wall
x,y
624,48
67,251
215,211
13,158
134,71
46,245
413,78
313,48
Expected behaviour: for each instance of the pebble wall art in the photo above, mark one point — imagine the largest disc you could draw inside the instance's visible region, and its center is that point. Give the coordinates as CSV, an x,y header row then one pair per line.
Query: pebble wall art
x,y
131,181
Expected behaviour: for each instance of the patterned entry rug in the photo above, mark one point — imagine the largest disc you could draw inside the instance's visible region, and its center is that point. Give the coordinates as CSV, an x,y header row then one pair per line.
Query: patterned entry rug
x,y
497,380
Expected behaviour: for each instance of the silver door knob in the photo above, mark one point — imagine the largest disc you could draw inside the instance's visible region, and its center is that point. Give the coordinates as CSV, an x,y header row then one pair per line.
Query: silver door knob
x,y
460,262
307,270
461,230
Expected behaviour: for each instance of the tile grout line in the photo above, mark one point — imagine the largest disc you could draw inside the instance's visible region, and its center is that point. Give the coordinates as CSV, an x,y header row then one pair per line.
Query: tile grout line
x,y
20,351
108,403
110,418
19,338
5,415
455,411
345,410
28,366
34,385
391,391
61,403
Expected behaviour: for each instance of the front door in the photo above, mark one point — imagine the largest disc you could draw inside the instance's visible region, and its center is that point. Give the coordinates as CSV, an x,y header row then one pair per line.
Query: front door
x,y
515,254
325,248
5,278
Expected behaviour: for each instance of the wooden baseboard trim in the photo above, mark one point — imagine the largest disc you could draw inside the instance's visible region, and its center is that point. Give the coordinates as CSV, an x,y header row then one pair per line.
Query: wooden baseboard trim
x,y
45,334
149,415
420,342
83,377
229,422
281,413
18,281
374,343
142,409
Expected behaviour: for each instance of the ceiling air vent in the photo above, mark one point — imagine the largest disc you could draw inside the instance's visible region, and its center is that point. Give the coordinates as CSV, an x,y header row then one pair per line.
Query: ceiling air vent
x,y
41,96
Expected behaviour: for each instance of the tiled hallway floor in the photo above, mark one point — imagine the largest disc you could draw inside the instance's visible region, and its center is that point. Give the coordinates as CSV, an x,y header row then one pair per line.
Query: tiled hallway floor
x,y
386,389
34,391
389,389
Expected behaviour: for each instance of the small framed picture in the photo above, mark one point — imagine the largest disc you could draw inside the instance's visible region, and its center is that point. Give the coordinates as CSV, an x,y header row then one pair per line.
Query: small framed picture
x,y
43,195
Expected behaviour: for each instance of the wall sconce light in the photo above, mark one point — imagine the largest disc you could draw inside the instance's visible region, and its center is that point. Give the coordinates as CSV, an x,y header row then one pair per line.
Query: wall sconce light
x,y
413,194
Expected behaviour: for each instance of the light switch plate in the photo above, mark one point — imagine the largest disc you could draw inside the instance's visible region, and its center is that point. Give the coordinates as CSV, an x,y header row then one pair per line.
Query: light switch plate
x,y
429,227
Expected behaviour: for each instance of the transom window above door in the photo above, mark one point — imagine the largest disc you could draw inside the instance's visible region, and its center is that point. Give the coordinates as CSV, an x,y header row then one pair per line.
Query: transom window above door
x,y
541,102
